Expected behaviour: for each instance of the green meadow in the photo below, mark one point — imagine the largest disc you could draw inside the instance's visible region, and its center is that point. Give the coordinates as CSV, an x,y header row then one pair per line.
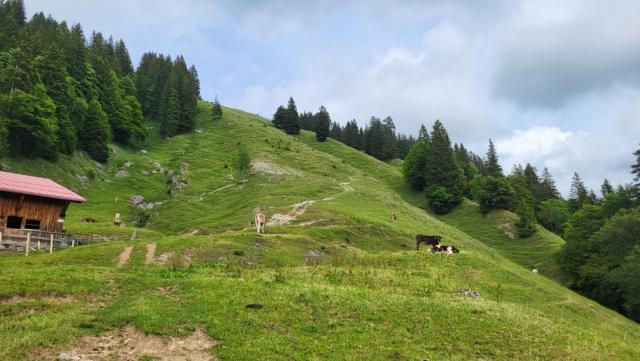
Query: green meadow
x,y
337,280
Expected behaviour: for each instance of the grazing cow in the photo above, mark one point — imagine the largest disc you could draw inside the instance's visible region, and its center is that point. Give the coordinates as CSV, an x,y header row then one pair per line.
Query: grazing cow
x,y
394,217
441,248
429,240
259,220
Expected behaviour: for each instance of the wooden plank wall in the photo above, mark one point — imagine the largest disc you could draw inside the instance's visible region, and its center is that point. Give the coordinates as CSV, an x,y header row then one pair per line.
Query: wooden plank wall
x,y
47,211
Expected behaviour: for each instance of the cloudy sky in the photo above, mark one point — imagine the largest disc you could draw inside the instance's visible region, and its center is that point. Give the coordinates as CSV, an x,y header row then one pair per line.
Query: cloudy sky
x,y
555,83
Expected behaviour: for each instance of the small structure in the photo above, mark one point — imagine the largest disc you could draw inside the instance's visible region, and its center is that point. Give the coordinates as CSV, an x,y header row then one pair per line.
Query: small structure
x,y
32,209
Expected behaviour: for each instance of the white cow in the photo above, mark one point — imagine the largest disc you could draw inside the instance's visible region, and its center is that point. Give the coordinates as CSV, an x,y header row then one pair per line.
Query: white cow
x,y
260,221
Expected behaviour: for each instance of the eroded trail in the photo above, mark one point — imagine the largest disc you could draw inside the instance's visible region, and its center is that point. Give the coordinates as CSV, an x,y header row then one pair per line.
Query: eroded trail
x,y
123,258
150,257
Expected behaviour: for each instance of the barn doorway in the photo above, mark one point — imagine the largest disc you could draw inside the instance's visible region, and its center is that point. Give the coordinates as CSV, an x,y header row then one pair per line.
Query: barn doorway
x,y
14,222
32,224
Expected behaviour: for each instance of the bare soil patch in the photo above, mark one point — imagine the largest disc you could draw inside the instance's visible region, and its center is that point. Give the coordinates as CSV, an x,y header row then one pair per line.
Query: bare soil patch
x,y
131,344
123,258
267,167
13,300
508,230
150,257
281,219
164,258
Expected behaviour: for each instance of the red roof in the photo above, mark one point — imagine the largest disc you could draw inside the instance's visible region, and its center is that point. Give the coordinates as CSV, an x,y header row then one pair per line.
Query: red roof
x,y
36,186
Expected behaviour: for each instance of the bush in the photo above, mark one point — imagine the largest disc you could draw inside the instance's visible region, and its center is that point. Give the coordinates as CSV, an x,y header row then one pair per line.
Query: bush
x,y
492,193
554,214
441,200
243,162
526,224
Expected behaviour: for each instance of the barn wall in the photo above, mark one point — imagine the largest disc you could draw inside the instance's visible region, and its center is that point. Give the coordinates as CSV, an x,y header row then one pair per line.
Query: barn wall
x,y
47,211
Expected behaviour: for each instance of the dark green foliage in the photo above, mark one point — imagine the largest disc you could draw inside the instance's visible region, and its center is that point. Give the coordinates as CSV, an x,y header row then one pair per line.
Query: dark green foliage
x,y
279,117
635,170
440,200
525,204
606,188
4,137
548,188
93,131
441,168
243,160
614,201
216,110
170,108
291,124
583,224
322,120
492,167
351,135
492,193
578,194
415,164
121,60
12,19
607,275
553,214
336,131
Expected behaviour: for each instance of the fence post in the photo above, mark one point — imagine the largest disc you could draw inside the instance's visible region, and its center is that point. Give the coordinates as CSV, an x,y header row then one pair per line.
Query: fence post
x,y
1,231
26,249
73,243
51,243
38,244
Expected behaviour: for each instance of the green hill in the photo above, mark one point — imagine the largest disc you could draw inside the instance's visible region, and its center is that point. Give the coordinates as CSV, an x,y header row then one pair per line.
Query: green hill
x,y
337,280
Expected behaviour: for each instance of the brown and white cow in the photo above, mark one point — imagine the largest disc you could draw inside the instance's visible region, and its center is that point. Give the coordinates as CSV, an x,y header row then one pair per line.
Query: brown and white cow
x,y
260,221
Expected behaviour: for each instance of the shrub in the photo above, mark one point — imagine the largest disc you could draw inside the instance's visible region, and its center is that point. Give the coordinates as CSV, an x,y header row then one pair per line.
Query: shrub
x,y
243,161
492,193
441,200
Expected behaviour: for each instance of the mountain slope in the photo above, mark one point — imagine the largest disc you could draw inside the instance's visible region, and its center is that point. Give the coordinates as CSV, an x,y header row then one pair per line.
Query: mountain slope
x,y
338,282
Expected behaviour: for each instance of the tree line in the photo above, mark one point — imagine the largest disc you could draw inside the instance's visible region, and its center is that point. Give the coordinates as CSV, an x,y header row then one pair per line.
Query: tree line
x,y
378,138
60,93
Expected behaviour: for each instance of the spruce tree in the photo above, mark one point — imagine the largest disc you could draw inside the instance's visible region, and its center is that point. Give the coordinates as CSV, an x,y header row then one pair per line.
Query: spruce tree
x,y
492,167
122,60
606,188
548,188
323,121
4,137
375,138
93,132
279,117
351,134
390,148
578,194
635,170
216,110
291,122
336,131
533,181
441,169
414,165
170,108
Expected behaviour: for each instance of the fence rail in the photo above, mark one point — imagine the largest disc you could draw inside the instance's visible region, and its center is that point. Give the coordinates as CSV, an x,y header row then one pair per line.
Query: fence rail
x,y
21,239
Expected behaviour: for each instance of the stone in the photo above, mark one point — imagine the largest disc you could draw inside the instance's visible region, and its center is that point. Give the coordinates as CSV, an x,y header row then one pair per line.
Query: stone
x,y
82,178
122,174
137,200
128,164
143,152
144,172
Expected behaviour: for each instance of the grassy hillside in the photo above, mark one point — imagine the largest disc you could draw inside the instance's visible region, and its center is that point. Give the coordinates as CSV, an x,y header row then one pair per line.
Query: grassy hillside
x,y
338,282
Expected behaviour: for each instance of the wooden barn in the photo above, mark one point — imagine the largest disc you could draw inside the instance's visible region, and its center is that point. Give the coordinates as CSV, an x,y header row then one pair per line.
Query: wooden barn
x,y
32,206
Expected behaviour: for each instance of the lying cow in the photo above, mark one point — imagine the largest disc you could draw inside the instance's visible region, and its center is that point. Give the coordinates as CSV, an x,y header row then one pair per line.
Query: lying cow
x,y
428,240
260,221
441,248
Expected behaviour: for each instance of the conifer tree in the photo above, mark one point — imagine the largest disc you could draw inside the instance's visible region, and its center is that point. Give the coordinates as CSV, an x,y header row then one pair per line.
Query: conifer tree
x,y
441,168
196,80
533,181
548,188
606,188
351,135
336,131
492,167
216,110
171,108
93,132
578,194
415,163
635,170
4,135
323,121
279,117
122,60
291,122
375,138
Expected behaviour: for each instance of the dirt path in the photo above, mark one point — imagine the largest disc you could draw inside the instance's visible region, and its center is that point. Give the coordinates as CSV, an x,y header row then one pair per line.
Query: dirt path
x,y
131,344
123,258
281,219
150,257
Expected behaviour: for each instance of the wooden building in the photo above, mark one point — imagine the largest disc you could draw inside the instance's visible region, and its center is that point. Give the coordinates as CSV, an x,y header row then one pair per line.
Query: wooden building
x,y
32,205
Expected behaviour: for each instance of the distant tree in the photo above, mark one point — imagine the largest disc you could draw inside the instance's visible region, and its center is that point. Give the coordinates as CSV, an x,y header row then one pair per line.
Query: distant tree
x,y
280,117
533,182
291,121
578,194
492,193
548,188
390,147
525,203
171,108
614,201
626,277
635,170
440,200
196,80
492,167
441,168
375,139
578,247
414,165
606,188
323,121
553,214
243,160
216,110
351,136
93,132
4,135
122,61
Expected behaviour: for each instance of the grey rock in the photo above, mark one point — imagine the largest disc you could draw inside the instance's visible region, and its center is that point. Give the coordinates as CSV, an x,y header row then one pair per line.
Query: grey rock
x,y
122,174
128,164
4,166
144,172
82,178
137,200
143,152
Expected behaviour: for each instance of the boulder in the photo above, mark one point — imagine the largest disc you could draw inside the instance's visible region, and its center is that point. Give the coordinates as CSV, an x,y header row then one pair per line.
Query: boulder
x,y
122,174
143,152
137,200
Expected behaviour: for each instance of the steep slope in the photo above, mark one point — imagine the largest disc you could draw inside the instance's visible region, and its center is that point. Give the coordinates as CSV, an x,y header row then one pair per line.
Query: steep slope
x,y
338,282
